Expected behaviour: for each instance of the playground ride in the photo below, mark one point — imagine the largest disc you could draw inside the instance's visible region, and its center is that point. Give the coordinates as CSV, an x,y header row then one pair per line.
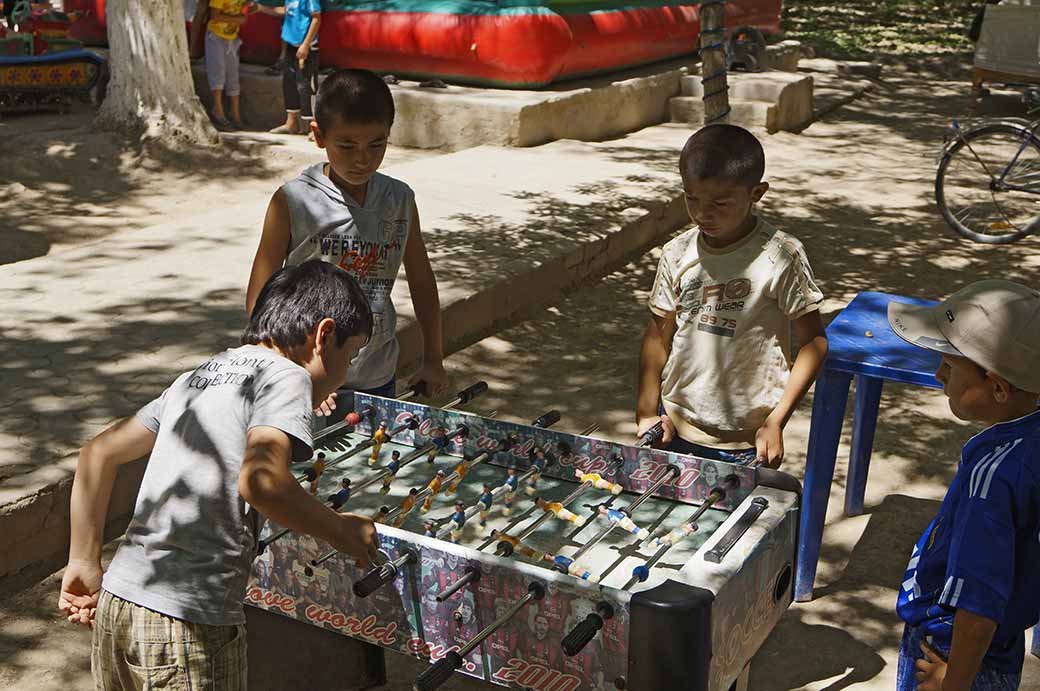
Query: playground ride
x,y
40,66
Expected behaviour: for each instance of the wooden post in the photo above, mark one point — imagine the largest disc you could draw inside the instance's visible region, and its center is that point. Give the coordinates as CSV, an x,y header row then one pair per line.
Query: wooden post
x,y
713,61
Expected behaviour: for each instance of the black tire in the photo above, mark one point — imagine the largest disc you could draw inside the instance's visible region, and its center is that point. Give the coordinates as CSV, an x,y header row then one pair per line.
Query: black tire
x,y
965,151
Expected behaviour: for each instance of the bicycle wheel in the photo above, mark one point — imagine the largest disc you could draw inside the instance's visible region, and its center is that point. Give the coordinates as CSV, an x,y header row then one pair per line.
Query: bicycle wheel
x,y
970,184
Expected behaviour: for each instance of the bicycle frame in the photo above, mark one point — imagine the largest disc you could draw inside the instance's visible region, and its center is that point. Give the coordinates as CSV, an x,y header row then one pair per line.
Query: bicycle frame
x,y
997,182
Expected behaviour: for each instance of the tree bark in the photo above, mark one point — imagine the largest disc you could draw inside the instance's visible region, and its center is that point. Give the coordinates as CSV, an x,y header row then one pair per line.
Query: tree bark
x,y
713,61
151,92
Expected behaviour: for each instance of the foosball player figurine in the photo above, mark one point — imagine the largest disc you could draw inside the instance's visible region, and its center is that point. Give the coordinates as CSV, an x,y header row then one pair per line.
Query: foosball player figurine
x,y
538,463
430,527
378,439
458,521
557,509
392,467
461,469
599,482
439,439
341,497
435,487
677,535
406,506
314,473
620,519
512,484
485,502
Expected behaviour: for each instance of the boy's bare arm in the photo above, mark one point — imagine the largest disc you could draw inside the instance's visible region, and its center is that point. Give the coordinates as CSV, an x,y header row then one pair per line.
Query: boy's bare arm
x,y
125,441
273,249
99,461
972,635
267,484
657,341
278,11
312,32
812,338
422,284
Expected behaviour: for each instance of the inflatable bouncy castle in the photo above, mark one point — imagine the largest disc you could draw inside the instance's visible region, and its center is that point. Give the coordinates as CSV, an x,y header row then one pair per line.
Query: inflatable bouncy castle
x,y
509,43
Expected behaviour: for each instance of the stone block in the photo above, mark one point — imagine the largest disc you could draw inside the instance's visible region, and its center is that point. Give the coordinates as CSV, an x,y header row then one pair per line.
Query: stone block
x,y
786,100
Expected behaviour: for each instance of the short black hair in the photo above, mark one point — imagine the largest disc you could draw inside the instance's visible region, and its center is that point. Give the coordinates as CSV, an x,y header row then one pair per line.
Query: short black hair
x,y
354,96
723,151
296,298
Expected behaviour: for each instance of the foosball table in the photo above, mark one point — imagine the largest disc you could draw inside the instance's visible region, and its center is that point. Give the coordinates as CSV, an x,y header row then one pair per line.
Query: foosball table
x,y
538,559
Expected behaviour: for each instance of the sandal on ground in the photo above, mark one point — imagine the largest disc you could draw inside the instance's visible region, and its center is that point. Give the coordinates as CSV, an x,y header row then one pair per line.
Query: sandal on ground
x,y
284,129
433,84
391,79
222,124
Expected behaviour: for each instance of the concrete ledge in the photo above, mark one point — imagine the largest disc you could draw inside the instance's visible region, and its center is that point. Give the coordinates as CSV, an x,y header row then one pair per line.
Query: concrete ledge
x,y
463,117
774,100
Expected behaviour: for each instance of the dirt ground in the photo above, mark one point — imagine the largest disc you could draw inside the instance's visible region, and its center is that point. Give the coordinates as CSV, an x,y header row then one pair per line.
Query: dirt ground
x,y
856,188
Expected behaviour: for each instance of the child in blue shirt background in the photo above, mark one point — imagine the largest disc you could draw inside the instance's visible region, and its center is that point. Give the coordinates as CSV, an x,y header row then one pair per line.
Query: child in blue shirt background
x,y
300,24
972,587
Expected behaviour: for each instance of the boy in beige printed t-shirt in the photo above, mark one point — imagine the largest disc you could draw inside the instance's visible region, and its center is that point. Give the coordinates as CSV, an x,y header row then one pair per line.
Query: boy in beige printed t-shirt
x,y
716,366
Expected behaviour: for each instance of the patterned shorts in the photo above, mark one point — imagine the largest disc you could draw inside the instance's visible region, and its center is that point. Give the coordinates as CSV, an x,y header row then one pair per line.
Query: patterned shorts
x,y
136,649
910,652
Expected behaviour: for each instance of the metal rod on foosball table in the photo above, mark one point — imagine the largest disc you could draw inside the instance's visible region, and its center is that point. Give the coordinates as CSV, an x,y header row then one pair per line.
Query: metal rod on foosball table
x,y
530,510
434,487
689,526
472,575
439,672
546,514
565,564
461,430
545,421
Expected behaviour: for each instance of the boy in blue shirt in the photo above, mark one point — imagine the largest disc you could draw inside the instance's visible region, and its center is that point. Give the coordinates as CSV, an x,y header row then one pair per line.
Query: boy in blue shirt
x,y
972,587
300,24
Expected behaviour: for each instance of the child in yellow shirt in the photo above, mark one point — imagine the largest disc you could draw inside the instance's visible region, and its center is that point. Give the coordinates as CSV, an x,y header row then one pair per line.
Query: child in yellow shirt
x,y
222,43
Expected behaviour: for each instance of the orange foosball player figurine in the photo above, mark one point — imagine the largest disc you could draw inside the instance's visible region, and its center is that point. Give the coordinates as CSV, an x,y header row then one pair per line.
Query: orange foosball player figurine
x,y
378,439
460,470
599,482
435,487
314,473
557,509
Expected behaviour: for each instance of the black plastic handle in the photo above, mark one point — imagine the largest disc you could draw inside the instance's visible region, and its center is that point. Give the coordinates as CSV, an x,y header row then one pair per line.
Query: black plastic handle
x,y
547,420
438,673
652,435
412,422
375,579
471,392
420,388
581,634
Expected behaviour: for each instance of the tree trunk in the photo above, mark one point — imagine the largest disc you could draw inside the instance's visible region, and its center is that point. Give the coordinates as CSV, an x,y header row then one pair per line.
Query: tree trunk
x,y
713,61
151,91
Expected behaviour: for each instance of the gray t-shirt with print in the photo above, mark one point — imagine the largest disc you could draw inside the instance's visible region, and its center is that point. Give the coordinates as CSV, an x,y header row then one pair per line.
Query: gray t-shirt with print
x,y
367,241
191,542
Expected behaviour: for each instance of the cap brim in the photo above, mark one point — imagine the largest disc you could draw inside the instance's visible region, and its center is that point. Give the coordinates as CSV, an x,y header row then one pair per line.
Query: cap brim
x,y
919,326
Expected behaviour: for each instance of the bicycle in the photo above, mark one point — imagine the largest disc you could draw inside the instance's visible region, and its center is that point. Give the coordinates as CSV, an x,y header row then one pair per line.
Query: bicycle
x,y
987,184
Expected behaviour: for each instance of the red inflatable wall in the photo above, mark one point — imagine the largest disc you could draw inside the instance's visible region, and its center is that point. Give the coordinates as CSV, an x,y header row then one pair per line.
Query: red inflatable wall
x,y
503,46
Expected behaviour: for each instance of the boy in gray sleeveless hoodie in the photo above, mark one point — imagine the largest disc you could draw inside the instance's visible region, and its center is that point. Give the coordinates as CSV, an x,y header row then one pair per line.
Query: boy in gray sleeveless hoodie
x,y
168,611
346,213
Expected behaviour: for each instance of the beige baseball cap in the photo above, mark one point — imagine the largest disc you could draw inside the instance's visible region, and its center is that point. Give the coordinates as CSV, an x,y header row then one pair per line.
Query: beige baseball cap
x,y
994,323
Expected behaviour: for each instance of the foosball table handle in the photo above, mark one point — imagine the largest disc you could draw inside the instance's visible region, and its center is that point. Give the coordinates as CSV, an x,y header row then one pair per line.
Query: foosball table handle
x,y
438,673
580,635
547,420
381,575
652,435
471,392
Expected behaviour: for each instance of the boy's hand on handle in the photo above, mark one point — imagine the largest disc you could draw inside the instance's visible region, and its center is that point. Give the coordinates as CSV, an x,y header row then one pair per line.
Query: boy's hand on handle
x,y
301,54
436,378
356,536
80,590
647,422
769,445
326,407
930,671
